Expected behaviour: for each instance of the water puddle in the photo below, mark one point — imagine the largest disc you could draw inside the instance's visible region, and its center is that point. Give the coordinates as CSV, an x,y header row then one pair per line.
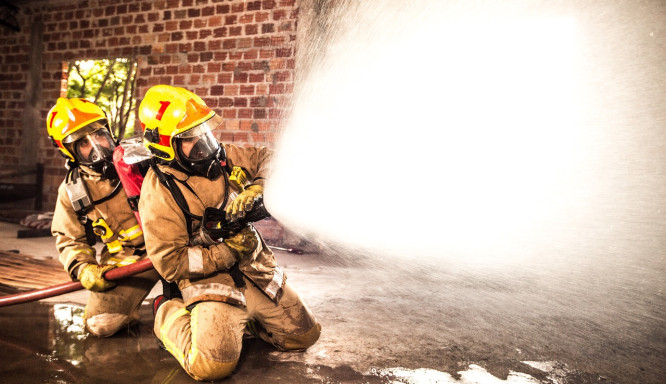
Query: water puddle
x,y
475,374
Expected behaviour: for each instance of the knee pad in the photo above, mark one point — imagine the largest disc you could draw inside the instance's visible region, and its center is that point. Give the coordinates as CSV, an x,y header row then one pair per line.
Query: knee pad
x,y
106,324
300,342
209,370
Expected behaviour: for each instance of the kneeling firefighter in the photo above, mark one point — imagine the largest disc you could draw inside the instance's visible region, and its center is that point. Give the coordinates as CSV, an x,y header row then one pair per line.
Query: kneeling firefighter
x,y
229,285
92,204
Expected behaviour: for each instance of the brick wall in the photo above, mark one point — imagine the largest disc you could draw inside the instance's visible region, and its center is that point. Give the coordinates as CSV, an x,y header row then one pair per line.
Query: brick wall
x,y
239,56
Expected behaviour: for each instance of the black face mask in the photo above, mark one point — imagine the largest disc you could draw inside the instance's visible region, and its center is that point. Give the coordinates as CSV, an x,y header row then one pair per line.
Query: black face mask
x,y
106,168
210,167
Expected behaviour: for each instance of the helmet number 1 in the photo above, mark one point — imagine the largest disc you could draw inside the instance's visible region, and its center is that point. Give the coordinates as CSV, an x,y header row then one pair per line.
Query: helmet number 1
x,y
52,117
165,105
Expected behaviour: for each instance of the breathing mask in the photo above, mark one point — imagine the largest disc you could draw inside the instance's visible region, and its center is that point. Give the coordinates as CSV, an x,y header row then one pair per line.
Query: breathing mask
x,y
93,146
199,152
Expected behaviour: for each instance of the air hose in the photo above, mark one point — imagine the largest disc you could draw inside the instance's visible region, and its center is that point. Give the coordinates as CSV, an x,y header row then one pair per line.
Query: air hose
x,y
38,294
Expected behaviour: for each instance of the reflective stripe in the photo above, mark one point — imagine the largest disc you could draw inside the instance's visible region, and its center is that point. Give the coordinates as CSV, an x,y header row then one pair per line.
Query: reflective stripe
x,y
168,344
212,289
195,261
131,233
274,286
194,323
87,251
114,246
121,262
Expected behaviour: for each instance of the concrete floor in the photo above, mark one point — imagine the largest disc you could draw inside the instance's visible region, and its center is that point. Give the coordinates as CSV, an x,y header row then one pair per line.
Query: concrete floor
x,y
385,323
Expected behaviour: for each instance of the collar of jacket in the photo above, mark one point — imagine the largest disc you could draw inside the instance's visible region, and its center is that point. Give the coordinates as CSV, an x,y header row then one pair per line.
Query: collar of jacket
x,y
89,172
177,174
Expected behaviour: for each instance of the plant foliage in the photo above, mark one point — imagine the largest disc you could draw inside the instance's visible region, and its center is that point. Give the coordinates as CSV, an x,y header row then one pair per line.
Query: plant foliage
x,y
108,83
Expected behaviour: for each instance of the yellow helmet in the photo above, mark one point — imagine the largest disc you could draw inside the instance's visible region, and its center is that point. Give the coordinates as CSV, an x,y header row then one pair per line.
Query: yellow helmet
x,y
167,111
66,119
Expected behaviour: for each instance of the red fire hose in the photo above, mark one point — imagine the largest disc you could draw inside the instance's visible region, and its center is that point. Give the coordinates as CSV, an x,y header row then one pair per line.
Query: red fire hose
x,y
114,274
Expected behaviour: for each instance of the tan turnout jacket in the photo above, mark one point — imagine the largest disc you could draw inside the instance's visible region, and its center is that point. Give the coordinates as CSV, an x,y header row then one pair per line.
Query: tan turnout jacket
x,y
71,235
194,267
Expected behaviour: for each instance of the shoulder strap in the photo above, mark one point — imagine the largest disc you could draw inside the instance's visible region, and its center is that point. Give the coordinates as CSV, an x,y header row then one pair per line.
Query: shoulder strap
x,y
169,183
110,195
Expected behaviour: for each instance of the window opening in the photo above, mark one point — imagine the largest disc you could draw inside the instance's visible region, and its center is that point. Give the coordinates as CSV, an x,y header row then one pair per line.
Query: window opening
x,y
109,83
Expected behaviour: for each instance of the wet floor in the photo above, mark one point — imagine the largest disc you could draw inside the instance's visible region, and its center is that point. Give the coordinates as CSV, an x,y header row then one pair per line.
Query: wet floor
x,y
584,323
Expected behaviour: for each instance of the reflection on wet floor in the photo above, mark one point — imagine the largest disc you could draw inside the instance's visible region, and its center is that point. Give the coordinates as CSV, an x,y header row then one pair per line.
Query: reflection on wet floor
x,y
43,343
49,344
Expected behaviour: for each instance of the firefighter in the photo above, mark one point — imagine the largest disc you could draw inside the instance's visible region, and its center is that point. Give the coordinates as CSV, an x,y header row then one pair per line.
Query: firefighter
x,y
228,286
92,205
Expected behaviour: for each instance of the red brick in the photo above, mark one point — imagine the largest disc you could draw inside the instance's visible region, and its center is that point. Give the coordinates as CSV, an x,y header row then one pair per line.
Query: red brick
x,y
201,46
214,21
226,136
267,28
244,113
172,26
240,102
245,125
235,31
279,15
225,102
229,44
204,33
256,77
283,52
244,43
220,32
214,66
214,45
207,11
262,42
247,89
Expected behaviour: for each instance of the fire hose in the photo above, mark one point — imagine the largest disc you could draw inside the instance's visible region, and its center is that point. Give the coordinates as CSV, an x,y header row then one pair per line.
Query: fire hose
x,y
38,294
114,274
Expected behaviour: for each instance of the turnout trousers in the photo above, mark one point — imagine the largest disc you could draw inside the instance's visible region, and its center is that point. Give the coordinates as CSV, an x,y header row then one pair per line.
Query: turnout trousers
x,y
206,339
107,312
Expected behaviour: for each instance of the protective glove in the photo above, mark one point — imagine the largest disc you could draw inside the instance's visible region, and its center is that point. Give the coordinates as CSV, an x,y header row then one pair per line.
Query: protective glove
x,y
244,202
202,238
92,277
244,242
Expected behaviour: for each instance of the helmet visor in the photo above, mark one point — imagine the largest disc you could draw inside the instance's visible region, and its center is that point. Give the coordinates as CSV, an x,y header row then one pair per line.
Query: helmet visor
x,y
198,143
93,147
